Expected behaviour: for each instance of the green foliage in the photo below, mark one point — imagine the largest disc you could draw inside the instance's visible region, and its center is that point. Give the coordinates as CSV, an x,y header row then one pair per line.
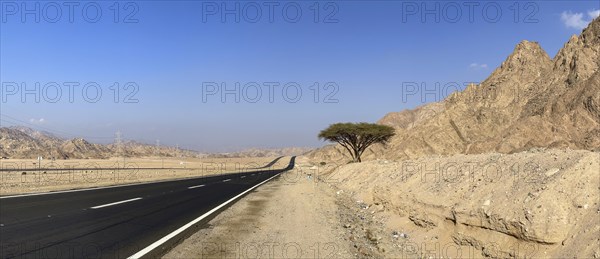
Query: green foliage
x,y
357,137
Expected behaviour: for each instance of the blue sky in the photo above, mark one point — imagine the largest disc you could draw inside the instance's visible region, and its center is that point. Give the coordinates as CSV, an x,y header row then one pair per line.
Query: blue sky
x,y
358,54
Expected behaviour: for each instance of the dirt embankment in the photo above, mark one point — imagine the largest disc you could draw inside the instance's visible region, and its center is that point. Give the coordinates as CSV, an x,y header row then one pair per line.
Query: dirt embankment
x,y
539,203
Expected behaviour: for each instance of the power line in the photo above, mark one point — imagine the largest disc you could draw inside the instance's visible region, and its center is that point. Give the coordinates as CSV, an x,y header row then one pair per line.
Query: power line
x,y
57,132
159,153
51,130
120,148
23,113
118,141
17,122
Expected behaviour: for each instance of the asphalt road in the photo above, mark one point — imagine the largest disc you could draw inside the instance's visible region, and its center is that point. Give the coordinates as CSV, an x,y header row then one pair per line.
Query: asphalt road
x,y
115,222
7,168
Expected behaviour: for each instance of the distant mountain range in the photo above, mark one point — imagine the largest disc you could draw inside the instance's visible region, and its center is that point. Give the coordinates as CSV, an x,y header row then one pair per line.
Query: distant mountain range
x,y
258,152
23,142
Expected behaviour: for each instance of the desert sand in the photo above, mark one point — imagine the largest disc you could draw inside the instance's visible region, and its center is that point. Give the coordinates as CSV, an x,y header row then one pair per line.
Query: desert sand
x,y
542,203
293,216
116,171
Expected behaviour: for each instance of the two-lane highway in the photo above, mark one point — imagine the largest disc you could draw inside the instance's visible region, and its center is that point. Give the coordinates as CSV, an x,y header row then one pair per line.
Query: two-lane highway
x,y
117,222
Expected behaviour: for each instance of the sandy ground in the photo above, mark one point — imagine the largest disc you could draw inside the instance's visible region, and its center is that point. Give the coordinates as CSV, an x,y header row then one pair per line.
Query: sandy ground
x,y
131,170
290,217
534,204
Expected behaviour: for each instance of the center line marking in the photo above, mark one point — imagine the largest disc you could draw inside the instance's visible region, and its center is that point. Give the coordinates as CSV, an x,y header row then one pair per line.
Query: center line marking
x,y
227,180
115,203
197,186
164,239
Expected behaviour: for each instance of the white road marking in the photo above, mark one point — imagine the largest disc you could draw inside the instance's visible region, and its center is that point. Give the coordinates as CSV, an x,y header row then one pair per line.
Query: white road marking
x,y
115,203
227,180
243,176
96,188
191,223
197,186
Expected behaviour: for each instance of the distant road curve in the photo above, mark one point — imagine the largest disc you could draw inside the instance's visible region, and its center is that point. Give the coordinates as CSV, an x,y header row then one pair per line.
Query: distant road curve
x,y
117,222
271,163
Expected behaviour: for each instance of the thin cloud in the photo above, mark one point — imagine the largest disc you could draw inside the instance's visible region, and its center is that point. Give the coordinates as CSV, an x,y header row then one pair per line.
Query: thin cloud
x,y
37,121
477,66
578,20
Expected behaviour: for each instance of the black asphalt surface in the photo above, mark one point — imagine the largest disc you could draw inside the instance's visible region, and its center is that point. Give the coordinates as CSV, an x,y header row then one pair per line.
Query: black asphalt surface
x,y
7,168
64,225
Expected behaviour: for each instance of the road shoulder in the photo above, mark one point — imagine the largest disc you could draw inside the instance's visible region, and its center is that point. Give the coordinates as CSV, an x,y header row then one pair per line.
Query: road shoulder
x,y
290,217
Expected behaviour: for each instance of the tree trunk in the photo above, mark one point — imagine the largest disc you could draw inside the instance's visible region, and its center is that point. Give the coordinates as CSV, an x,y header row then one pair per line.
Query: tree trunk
x,y
356,156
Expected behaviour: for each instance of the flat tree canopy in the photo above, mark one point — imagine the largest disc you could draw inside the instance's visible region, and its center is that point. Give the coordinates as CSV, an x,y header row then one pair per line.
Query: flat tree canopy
x,y
357,137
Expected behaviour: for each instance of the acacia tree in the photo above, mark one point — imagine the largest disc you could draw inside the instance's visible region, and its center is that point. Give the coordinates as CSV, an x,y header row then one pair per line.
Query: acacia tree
x,y
357,137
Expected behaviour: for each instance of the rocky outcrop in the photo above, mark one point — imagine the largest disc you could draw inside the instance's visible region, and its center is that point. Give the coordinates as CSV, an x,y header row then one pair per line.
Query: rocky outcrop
x,y
529,101
539,203
477,172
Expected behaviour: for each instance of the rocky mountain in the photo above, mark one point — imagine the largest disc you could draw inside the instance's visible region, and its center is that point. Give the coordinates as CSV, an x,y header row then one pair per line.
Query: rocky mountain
x,y
269,152
23,142
529,101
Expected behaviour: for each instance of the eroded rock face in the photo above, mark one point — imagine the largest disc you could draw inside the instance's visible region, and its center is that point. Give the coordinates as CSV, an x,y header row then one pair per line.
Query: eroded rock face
x,y
410,118
543,200
529,101
496,186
